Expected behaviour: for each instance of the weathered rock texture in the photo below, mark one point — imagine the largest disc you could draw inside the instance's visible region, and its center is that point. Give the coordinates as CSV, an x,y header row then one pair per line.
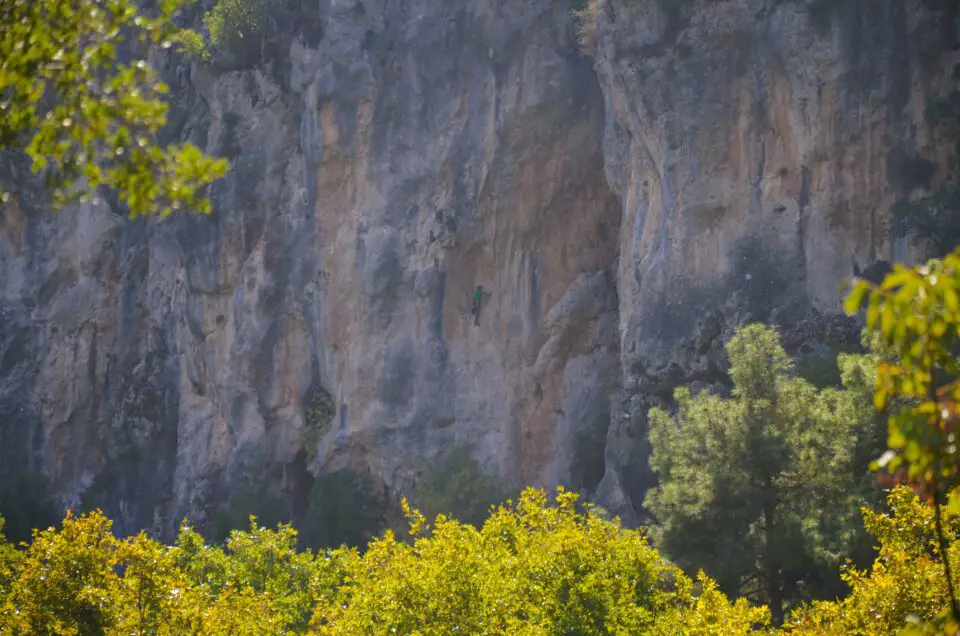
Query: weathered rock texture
x,y
722,161
757,147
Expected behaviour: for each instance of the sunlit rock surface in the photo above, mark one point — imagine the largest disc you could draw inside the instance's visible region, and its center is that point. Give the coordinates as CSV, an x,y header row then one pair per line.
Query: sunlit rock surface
x,y
717,162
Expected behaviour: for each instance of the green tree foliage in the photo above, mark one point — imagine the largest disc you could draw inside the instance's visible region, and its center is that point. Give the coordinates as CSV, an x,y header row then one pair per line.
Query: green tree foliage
x,y
260,562
535,567
234,27
532,568
933,218
915,314
66,581
455,485
822,368
25,504
711,613
235,22
905,583
763,488
587,17
340,511
85,118
9,561
254,497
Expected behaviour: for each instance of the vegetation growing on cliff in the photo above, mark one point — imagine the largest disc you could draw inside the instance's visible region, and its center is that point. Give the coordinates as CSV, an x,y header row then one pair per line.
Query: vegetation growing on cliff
x,y
318,412
587,18
233,27
85,119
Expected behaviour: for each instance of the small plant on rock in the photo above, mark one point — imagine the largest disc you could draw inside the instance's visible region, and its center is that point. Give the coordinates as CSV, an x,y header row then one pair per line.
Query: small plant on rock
x,y
235,27
587,18
318,412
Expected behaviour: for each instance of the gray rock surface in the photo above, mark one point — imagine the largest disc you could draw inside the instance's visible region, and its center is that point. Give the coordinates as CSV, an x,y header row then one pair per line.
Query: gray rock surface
x,y
718,162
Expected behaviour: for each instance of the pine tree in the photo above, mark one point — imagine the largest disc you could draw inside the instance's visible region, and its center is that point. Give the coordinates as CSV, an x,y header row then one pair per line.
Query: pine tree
x,y
763,488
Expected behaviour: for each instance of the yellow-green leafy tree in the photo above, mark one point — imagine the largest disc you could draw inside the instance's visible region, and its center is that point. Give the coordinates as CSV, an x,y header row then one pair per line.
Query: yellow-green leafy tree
x,y
87,119
906,582
710,613
9,562
153,595
66,582
915,314
533,568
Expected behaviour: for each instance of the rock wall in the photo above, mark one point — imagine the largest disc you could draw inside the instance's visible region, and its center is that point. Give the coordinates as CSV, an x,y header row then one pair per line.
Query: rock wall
x,y
757,147
718,161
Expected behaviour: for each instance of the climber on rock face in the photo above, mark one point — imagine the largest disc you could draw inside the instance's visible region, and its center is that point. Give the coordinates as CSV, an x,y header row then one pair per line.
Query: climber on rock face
x,y
477,302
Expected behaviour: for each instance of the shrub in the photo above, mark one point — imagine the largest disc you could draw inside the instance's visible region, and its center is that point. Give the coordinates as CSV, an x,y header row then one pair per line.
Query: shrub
x,y
934,218
253,498
821,369
587,19
340,511
455,485
237,24
25,503
318,412
193,45
235,27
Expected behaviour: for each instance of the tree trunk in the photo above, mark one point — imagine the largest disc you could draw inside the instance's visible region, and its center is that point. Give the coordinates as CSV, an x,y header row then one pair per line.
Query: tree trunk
x,y
771,565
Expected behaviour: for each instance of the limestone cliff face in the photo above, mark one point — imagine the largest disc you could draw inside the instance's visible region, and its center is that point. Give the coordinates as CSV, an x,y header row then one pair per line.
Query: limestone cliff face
x,y
757,147
387,160
721,161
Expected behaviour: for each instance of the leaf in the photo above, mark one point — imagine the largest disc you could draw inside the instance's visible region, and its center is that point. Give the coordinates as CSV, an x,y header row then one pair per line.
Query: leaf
x,y
953,503
896,439
879,400
854,300
887,319
951,298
